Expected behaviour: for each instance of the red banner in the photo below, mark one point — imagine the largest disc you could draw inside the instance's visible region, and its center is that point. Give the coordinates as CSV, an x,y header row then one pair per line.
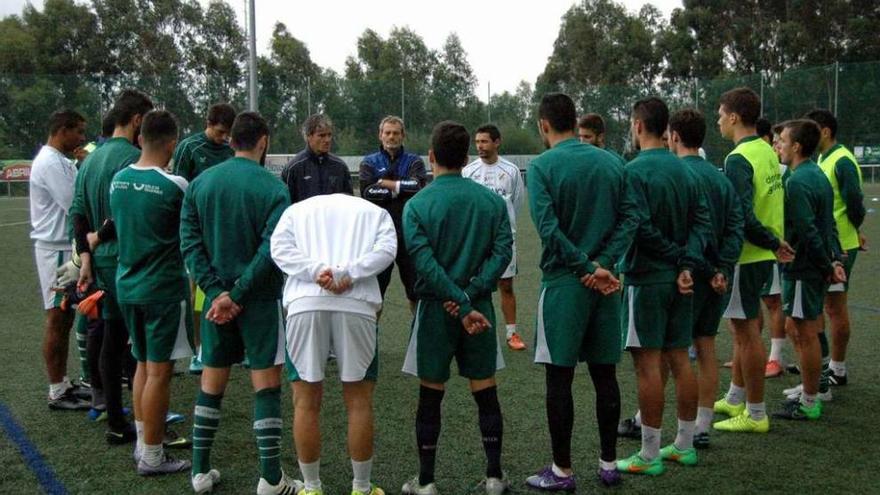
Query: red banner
x,y
17,173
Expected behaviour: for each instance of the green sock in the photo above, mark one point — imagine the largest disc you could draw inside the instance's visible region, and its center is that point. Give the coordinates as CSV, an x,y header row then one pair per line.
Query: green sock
x,y
267,429
80,325
206,419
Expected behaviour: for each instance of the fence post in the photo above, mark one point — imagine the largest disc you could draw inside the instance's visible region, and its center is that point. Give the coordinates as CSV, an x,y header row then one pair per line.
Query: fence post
x,y
836,76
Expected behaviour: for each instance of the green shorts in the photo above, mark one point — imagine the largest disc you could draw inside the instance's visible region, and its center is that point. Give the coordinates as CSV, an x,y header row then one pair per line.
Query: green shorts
x,y
577,324
656,316
105,279
745,292
803,299
848,266
773,285
258,333
708,308
437,337
159,332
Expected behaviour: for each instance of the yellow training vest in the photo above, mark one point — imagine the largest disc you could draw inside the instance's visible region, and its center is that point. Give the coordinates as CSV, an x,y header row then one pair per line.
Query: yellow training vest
x,y
849,235
768,198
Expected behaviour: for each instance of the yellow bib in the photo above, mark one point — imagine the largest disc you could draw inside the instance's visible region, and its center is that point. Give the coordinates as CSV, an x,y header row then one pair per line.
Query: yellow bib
x,y
849,235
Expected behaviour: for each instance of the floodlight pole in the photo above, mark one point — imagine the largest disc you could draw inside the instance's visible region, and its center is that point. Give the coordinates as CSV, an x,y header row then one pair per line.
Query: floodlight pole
x,y
489,101
252,58
836,76
402,101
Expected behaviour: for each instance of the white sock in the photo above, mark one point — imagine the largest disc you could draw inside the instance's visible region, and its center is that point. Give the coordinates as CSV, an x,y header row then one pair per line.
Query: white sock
x,y
152,455
56,390
705,415
776,349
684,438
637,419
735,395
511,329
66,381
808,400
838,367
362,471
757,410
607,465
311,474
650,443
139,427
559,472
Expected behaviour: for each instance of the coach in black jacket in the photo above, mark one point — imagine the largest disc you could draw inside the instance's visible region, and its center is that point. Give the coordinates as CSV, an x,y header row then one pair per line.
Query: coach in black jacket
x,y
314,170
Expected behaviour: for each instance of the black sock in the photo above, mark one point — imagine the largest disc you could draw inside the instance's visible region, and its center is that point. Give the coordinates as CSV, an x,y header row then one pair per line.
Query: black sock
x,y
112,357
492,429
93,350
560,412
428,431
607,407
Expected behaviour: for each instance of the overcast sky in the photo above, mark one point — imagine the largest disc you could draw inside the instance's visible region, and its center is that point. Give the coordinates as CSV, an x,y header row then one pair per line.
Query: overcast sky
x,y
506,41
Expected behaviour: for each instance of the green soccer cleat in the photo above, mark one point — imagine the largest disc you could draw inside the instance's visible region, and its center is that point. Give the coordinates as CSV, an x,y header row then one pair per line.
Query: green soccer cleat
x,y
724,407
636,465
374,490
687,457
743,424
796,411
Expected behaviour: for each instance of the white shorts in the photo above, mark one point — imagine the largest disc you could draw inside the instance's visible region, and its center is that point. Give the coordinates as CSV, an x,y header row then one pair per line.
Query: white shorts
x,y
353,337
48,261
510,272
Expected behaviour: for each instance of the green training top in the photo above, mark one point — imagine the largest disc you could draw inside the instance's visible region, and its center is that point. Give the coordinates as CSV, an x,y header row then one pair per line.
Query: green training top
x,y
841,168
91,198
753,168
228,216
675,224
457,233
580,209
146,203
197,153
724,246
809,223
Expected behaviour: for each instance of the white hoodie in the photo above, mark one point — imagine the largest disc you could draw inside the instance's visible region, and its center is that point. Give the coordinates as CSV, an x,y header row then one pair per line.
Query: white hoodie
x,y
350,235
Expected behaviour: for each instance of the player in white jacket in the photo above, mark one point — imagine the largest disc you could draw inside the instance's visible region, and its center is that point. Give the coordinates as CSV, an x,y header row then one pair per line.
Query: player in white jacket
x,y
504,178
331,248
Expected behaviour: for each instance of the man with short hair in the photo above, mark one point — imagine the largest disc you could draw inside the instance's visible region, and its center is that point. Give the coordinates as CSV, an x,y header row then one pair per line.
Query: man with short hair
x,y
753,169
194,155
842,170
455,316
315,170
235,205
151,283
332,247
502,177
591,130
52,182
810,230
98,250
389,178
586,221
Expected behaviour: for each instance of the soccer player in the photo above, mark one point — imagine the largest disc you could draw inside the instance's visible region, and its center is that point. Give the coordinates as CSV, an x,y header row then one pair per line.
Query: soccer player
x,y
99,251
389,178
315,170
658,286
194,155
504,178
753,168
151,284
585,222
332,247
841,168
458,234
51,194
591,130
236,205
687,129
810,230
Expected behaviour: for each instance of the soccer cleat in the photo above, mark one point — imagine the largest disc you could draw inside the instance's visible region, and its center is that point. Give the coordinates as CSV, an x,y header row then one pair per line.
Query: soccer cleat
x,y
100,415
794,394
81,391
68,402
773,369
169,465
516,343
374,490
195,366
318,492
628,428
547,480
609,477
412,487
687,457
692,353
204,482
172,418
836,380
701,440
796,411
635,464
494,486
732,410
174,441
124,435
727,364
793,369
286,486
743,424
